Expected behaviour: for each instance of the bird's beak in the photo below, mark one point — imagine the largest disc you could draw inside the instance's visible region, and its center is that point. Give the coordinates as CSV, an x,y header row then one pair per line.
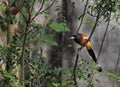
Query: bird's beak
x,y
72,38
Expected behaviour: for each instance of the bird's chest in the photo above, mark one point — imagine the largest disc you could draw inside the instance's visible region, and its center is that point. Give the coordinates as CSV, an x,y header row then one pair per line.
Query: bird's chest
x,y
81,41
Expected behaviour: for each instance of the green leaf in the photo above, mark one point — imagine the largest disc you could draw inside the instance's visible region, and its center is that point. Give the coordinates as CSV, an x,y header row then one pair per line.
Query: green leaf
x,y
67,72
3,7
59,27
30,2
12,2
56,84
46,1
48,39
36,25
114,76
8,76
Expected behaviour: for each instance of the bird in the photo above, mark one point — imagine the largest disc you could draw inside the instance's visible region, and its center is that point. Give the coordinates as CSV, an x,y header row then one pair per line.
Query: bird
x,y
82,40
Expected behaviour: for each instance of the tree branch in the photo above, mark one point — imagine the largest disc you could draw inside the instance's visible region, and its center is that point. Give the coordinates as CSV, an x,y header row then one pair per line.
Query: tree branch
x,y
116,67
42,3
104,37
22,54
48,6
39,11
74,69
82,16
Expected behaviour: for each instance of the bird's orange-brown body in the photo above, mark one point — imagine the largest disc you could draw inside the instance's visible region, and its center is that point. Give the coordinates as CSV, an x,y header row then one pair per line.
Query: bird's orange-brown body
x,y
85,42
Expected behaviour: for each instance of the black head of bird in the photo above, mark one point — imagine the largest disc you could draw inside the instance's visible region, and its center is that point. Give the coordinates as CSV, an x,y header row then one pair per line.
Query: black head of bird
x,y
77,37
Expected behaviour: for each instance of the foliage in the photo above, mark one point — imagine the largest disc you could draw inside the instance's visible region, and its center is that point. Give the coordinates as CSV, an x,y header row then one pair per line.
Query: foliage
x,y
35,68
20,54
85,71
59,27
114,76
105,8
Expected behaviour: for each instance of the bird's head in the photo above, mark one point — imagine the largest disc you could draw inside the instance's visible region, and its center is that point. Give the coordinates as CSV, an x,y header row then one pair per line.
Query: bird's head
x,y
77,37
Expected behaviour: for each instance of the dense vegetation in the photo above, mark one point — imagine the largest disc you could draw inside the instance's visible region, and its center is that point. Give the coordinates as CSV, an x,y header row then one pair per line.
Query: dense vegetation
x,y
22,36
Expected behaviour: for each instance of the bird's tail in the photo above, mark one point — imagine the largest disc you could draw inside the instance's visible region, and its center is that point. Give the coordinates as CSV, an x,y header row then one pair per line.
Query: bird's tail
x,y
92,54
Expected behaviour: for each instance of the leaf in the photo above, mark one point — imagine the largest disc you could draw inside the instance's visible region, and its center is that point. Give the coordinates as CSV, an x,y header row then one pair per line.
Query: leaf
x,y
3,7
36,25
12,2
114,76
46,1
59,27
30,2
67,71
56,84
48,39
8,76
1,19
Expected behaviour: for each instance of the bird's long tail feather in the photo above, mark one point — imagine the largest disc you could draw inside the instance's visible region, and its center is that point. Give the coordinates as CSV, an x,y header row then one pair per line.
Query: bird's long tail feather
x,y
92,54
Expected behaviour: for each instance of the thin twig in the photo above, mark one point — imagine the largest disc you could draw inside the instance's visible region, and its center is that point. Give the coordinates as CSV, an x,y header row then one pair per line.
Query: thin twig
x,y
4,60
48,6
103,39
92,75
95,25
22,4
116,67
32,66
82,16
74,69
32,6
42,3
31,30
39,11
25,18
91,14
